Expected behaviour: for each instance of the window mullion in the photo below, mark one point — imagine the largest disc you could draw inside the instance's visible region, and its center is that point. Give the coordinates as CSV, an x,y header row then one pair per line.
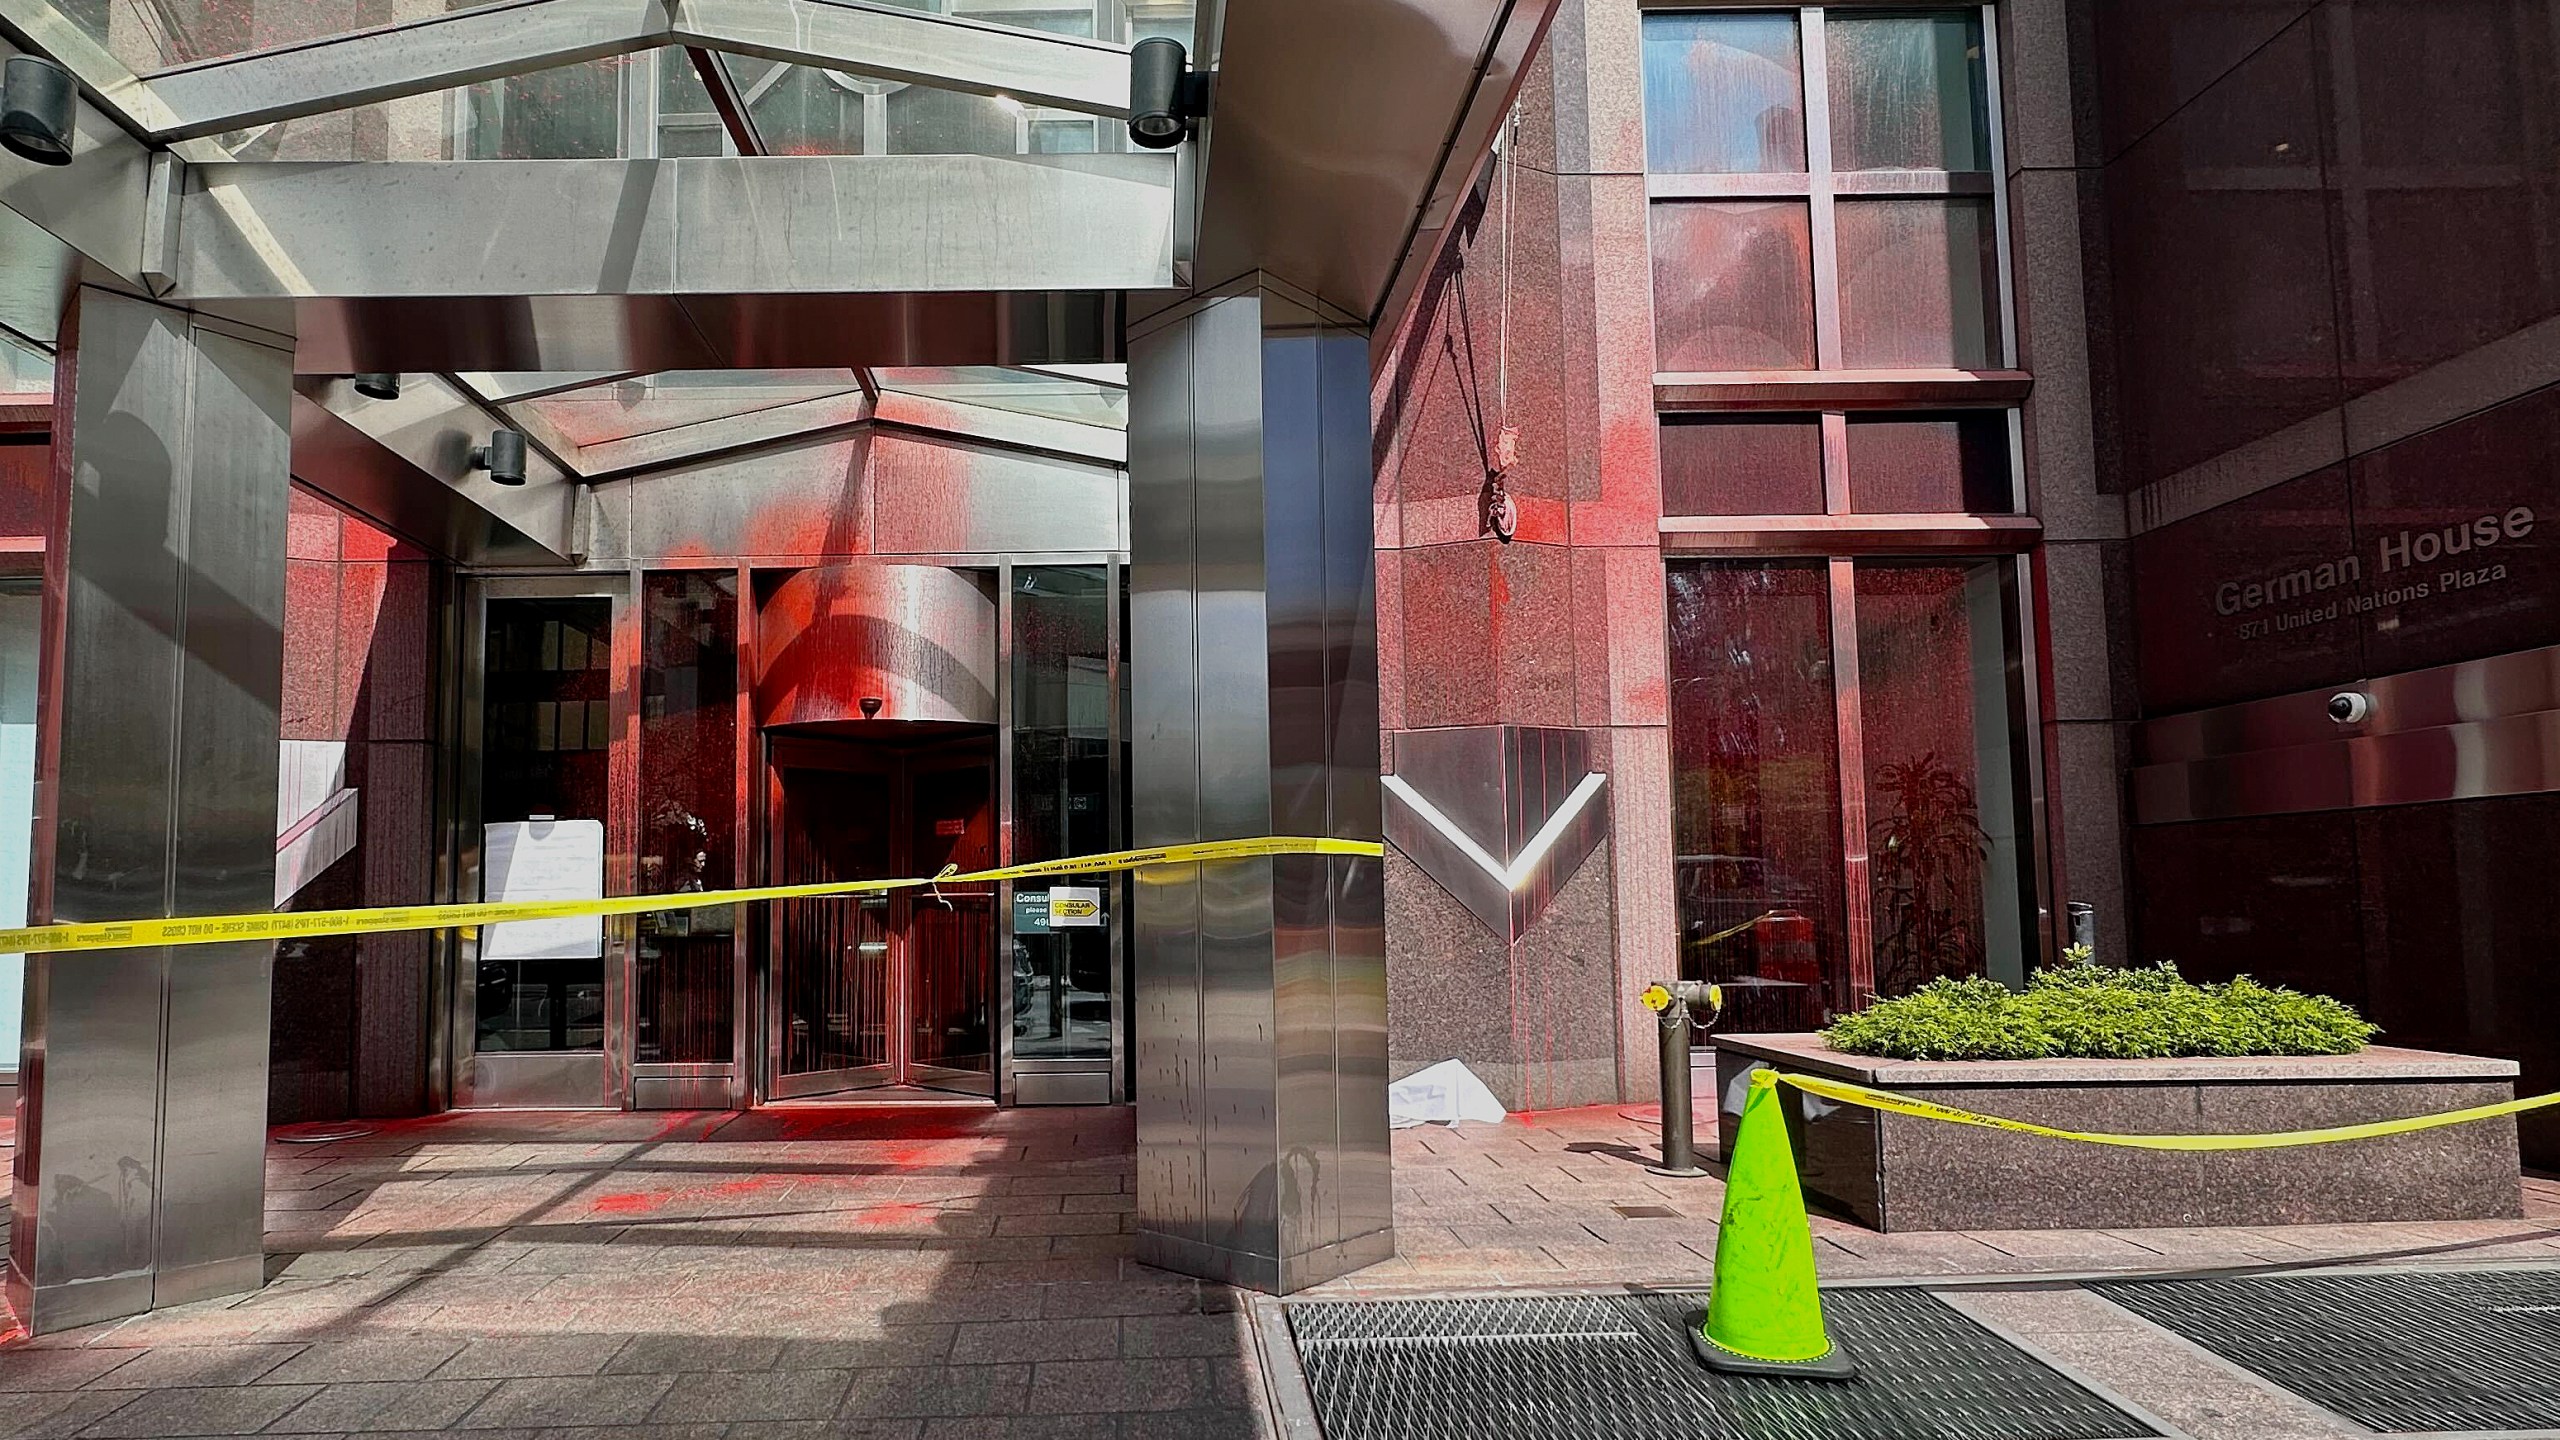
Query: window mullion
x,y
1859,913
1819,186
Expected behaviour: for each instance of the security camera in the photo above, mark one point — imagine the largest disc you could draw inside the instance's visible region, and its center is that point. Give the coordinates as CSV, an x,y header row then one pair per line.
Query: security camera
x,y
871,707
376,386
502,457
38,101
2350,707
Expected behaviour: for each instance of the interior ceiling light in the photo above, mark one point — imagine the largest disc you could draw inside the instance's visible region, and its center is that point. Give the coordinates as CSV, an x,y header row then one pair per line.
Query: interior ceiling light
x,y
1165,98
377,387
36,104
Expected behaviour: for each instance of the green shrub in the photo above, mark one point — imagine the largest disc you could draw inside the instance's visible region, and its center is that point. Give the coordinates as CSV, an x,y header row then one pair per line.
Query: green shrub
x,y
2085,1010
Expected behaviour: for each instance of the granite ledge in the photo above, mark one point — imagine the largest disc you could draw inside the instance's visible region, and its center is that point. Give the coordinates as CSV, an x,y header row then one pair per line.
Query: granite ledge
x,y
2375,1063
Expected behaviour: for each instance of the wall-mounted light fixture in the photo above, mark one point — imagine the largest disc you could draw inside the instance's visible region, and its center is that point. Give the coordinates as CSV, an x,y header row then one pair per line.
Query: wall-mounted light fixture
x,y
502,457
36,105
1165,98
376,387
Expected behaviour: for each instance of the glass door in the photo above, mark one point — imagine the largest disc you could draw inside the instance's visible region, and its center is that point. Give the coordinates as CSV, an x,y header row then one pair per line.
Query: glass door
x,y
948,938
898,989
833,986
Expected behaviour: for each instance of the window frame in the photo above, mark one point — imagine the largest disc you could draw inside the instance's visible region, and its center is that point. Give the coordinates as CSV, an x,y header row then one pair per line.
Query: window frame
x,y
1830,388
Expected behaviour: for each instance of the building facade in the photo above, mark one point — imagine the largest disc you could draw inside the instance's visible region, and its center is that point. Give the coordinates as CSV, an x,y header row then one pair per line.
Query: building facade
x,y
2019,424
1849,485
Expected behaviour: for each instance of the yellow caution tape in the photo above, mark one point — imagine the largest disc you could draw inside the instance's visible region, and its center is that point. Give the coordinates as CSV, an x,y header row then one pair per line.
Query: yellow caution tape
x,y
218,929
1848,1094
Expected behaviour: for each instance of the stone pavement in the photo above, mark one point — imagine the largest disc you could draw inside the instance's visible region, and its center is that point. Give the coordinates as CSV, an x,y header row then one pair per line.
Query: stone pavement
x,y
948,1272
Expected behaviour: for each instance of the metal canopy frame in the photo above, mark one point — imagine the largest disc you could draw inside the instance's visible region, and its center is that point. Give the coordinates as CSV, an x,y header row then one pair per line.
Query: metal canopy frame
x,y
516,37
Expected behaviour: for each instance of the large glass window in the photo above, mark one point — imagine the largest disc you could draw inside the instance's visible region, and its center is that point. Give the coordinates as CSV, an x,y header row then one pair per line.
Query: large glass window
x,y
1755,790
546,733
1062,690
1867,243
1943,825
1778,670
683,982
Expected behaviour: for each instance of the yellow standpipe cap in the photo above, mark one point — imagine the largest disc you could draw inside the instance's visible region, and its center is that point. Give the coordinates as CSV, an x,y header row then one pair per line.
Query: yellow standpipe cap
x,y
1655,998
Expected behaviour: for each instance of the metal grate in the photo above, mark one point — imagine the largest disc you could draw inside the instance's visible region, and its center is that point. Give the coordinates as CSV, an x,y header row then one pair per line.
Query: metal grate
x,y
2464,1350
1618,1367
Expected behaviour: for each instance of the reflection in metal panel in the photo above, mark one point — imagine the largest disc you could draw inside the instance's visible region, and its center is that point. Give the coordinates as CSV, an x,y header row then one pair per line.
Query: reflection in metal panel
x,y
704,226
143,1138
1500,815
937,497
628,333
1261,984
2453,732
920,640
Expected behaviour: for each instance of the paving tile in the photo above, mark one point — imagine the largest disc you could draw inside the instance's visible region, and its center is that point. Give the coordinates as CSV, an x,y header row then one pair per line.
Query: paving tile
x,y
568,1400
1223,1424
53,1414
327,1362
893,1347
1007,1340
676,1354
233,1410
531,1355
173,1367
754,1395
374,1405
1067,1387
25,1369
1171,1335
936,1392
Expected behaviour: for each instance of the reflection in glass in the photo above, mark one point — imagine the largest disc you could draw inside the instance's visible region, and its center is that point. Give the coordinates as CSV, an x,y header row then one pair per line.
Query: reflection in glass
x,y
21,624
1755,790
1733,285
646,404
150,35
1062,804
1908,92
1086,394
545,734
683,996
1919,284
1741,465
1906,464
1944,832
1723,94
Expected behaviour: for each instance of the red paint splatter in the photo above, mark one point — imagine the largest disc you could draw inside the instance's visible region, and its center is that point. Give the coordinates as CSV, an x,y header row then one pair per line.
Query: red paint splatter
x,y
626,1204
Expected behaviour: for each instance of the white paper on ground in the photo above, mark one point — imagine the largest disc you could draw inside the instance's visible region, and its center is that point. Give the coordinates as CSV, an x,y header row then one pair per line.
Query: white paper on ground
x,y
1441,1094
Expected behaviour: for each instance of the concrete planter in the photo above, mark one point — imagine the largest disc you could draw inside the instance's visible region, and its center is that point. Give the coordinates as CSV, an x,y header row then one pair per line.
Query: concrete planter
x,y
1895,1172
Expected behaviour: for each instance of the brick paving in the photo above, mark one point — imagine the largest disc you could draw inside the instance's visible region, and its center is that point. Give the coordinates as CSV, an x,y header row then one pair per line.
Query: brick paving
x,y
898,1274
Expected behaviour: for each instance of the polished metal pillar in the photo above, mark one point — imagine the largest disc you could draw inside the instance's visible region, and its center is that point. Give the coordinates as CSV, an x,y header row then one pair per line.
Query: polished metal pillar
x,y
1261,984
142,1121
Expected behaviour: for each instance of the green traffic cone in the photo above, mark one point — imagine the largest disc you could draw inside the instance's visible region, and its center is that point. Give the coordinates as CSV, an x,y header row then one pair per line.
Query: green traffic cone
x,y
1765,1315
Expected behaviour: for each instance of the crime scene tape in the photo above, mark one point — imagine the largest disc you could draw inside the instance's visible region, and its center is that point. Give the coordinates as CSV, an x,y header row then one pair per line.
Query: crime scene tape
x,y
218,929
1849,1094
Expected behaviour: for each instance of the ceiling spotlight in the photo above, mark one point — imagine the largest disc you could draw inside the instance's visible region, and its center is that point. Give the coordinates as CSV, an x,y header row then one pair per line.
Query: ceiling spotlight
x,y
377,387
1164,96
36,102
502,457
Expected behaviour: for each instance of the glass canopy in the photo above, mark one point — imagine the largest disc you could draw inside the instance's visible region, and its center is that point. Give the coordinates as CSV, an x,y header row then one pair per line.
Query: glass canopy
x,y
599,425
155,35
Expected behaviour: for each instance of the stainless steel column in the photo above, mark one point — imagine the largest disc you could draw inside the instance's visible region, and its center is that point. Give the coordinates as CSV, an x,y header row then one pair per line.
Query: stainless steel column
x,y
142,1121
1261,984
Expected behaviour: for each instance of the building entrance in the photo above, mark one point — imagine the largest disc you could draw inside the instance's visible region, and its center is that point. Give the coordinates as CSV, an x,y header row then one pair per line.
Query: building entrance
x,y
867,992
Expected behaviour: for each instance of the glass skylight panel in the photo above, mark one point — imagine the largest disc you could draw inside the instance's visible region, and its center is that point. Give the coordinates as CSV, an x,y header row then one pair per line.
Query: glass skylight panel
x,y
647,404
1053,394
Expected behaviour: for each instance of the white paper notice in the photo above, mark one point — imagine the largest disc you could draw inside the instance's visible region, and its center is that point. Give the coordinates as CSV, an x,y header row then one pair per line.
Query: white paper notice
x,y
543,860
